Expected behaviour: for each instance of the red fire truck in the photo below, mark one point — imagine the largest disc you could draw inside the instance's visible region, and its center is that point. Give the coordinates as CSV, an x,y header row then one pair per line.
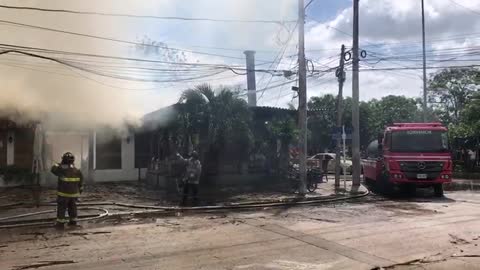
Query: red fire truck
x,y
409,155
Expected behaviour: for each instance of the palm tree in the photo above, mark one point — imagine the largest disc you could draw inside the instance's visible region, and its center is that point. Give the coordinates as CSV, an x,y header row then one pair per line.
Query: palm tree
x,y
221,121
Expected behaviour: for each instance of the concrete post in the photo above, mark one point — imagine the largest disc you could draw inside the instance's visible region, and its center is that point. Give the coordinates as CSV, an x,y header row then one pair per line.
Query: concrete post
x,y
251,81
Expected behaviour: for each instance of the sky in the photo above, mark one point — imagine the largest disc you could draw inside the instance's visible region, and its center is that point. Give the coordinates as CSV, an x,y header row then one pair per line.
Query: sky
x,y
390,35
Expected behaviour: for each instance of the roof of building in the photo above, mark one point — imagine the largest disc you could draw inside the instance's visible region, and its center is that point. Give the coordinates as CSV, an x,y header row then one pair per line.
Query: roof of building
x,y
165,114
6,124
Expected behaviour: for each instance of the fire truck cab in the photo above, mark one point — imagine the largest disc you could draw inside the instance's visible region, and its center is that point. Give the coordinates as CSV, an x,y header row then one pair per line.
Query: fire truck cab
x,y
409,155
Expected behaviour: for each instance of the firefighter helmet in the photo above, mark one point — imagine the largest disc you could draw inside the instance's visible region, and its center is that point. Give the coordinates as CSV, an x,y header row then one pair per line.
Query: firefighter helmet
x,y
194,155
68,158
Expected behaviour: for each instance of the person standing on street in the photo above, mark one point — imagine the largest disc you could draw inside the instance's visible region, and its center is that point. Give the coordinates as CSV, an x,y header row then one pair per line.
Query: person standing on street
x,y
472,157
69,188
192,177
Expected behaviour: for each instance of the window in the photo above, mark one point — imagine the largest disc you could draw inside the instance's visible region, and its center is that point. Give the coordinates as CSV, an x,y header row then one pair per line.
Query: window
x,y
108,152
142,150
23,156
3,148
419,141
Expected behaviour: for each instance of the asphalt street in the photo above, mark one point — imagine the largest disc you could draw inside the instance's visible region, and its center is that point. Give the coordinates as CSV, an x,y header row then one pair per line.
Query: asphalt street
x,y
420,232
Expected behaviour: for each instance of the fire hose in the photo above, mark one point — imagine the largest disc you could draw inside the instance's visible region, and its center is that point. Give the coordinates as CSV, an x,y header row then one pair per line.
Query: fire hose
x,y
149,209
45,221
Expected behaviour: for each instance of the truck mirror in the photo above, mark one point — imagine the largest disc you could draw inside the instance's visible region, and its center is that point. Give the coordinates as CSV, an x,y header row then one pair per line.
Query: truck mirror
x,y
380,138
380,148
380,144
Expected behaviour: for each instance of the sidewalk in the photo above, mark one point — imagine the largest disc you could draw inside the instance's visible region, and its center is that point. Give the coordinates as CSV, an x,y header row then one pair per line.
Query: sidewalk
x,y
324,191
463,184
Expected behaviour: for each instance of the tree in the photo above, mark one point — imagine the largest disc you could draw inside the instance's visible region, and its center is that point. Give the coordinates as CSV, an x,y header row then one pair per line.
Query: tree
x,y
470,124
471,114
221,122
451,89
321,121
391,109
286,132
367,133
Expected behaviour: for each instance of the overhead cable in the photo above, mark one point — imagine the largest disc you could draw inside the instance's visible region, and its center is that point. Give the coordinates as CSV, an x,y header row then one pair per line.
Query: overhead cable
x,y
69,11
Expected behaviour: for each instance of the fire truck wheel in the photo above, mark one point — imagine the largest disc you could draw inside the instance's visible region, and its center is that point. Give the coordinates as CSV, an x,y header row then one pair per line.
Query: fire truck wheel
x,y
368,182
438,188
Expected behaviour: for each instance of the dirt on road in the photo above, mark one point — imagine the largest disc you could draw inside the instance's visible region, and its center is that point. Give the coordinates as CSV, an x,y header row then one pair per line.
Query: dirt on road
x,y
375,233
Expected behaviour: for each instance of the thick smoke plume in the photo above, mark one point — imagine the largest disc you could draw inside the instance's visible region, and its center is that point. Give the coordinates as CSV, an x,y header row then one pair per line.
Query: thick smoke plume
x,y
65,98
57,95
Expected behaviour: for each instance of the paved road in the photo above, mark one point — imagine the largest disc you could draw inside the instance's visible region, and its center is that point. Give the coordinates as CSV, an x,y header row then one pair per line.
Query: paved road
x,y
427,232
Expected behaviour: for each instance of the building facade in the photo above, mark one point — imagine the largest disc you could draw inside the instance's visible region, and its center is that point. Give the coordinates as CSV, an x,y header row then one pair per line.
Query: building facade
x,y
27,152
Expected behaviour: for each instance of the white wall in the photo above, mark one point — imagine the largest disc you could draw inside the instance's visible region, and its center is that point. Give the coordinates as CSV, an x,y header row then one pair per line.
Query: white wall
x,y
78,144
56,144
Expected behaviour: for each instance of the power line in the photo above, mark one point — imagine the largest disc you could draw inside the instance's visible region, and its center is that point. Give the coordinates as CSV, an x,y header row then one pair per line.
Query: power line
x,y
416,68
39,70
395,63
450,52
281,90
398,73
168,72
105,74
271,87
147,45
459,36
103,64
105,84
437,40
280,56
80,75
465,7
459,56
309,3
190,78
209,65
115,40
144,16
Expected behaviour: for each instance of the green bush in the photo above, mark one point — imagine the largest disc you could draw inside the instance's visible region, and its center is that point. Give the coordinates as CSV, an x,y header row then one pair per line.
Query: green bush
x,y
12,173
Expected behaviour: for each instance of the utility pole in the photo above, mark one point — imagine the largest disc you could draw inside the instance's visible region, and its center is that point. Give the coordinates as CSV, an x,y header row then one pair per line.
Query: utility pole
x,y
355,99
302,97
251,81
424,67
340,73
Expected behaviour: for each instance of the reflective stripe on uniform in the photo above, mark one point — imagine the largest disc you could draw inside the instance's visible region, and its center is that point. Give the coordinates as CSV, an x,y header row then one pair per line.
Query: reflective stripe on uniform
x,y
62,220
70,179
68,195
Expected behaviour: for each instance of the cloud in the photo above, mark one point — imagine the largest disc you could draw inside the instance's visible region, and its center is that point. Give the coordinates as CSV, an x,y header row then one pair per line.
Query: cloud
x,y
393,28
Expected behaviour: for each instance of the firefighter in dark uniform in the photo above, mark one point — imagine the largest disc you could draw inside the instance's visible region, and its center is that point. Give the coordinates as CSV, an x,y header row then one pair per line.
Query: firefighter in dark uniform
x,y
70,186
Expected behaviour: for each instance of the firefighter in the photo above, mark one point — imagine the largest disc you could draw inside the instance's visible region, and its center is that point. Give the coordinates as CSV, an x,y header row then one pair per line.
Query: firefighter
x,y
192,177
70,186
